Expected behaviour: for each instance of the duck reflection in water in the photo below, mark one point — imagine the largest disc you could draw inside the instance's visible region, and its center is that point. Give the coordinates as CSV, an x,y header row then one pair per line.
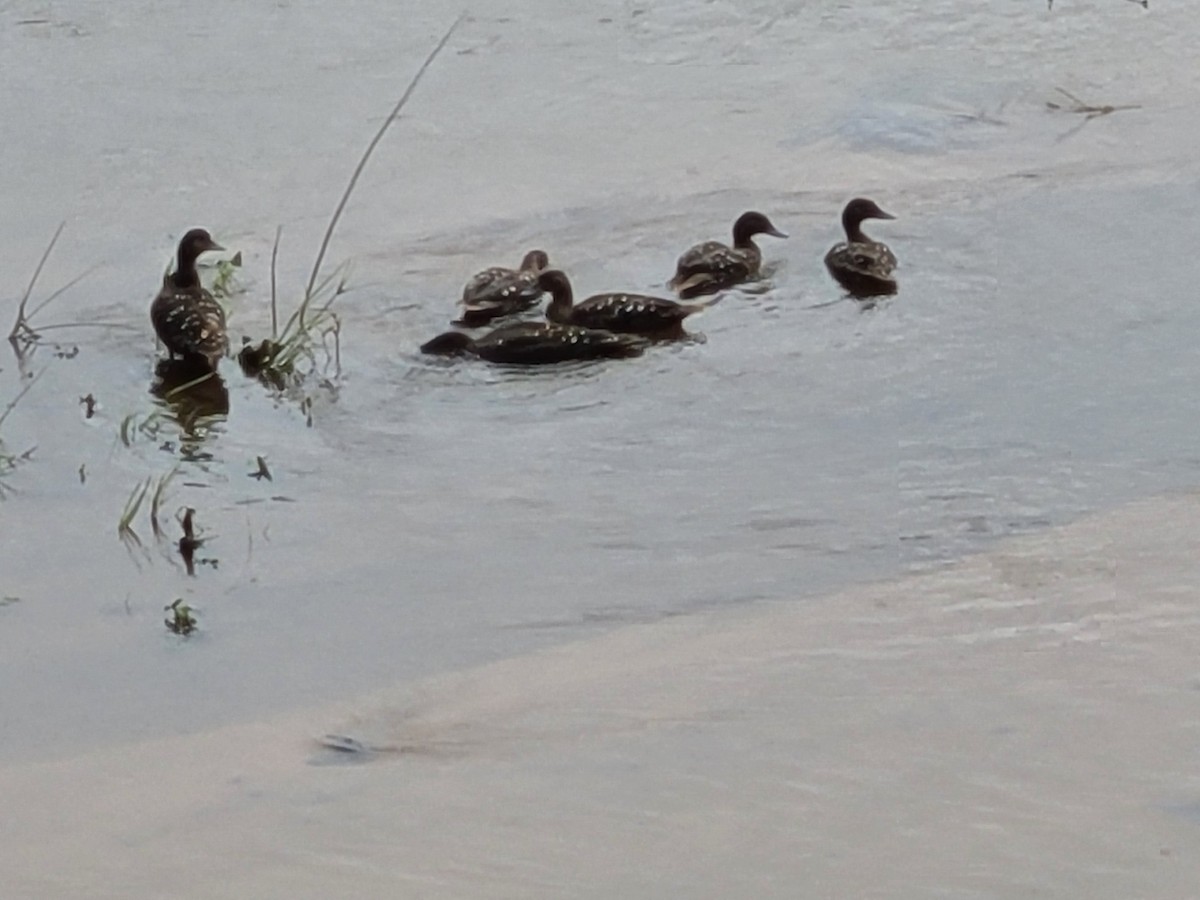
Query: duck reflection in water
x,y
194,396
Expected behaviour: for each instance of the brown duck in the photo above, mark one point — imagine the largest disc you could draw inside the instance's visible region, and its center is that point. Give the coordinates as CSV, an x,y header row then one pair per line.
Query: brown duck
x,y
536,343
186,317
499,291
862,266
712,266
616,312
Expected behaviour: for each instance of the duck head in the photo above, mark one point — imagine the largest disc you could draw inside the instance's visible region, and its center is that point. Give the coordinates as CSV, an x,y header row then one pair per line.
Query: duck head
x,y
191,245
448,344
751,223
535,261
195,242
858,210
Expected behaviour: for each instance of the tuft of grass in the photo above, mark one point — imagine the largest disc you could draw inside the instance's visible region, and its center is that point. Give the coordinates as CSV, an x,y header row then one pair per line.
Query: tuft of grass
x,y
280,360
24,335
150,487
182,620
156,500
134,502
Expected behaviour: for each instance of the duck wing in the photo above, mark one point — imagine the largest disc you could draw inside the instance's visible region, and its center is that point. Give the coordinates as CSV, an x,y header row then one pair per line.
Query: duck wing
x,y
872,258
711,266
537,343
632,313
190,322
498,292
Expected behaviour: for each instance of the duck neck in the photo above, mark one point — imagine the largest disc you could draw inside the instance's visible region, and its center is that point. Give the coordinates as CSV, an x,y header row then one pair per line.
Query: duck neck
x,y
743,239
185,269
561,301
854,232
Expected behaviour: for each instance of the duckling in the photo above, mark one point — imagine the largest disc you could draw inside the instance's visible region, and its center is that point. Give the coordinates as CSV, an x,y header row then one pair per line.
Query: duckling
x,y
186,317
862,266
616,312
711,266
499,291
537,343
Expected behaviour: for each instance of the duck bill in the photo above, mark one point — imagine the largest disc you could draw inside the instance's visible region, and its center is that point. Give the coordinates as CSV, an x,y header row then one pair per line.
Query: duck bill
x,y
880,214
775,232
213,245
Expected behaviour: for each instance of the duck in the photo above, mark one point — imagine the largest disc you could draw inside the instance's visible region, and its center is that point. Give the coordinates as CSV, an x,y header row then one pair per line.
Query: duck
x,y
537,343
498,291
862,266
185,316
712,266
616,312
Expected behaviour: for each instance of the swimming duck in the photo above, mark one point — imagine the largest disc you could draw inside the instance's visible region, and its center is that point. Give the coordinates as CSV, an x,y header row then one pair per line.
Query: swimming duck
x,y
499,291
537,343
616,312
862,266
707,268
186,317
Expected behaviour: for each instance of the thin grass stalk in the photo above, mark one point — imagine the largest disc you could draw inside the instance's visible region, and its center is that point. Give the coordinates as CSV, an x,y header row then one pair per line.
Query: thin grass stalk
x,y
157,498
133,504
274,306
12,404
20,325
362,163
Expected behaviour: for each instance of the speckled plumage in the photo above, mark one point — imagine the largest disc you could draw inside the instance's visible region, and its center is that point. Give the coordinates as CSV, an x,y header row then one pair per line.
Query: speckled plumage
x,y
185,316
712,266
617,312
499,291
537,343
862,266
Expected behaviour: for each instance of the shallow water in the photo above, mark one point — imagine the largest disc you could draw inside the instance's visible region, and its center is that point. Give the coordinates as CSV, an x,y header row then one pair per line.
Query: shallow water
x,y
1038,363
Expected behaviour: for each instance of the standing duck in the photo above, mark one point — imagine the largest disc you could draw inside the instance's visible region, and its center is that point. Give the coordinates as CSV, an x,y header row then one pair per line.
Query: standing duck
x,y
537,343
186,317
862,266
623,313
709,267
499,291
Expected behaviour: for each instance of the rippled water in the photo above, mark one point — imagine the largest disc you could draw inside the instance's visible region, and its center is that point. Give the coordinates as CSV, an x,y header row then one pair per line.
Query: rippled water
x,y
1038,363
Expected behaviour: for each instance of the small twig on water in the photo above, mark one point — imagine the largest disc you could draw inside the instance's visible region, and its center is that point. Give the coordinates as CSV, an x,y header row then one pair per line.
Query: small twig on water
x,y
1085,109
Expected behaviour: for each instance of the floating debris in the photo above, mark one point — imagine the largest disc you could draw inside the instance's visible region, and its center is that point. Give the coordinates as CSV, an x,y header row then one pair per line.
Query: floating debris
x,y
263,471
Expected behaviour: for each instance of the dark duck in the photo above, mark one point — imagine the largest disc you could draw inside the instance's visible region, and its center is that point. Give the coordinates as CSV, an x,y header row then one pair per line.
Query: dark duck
x,y
712,266
862,266
616,312
537,343
186,317
498,291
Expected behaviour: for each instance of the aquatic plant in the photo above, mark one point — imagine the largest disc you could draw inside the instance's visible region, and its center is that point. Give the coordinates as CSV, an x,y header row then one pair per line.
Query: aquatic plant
x,y
148,425
24,335
134,501
182,620
279,360
1087,110
224,284
10,461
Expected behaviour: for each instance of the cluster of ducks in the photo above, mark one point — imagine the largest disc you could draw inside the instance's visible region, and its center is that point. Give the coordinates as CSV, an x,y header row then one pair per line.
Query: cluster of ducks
x,y
191,323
